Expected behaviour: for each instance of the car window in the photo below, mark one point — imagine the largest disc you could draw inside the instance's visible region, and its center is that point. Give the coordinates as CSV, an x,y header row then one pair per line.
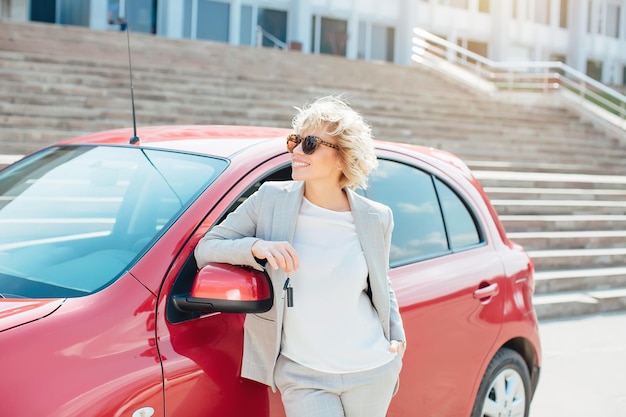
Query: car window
x,y
460,224
430,219
281,174
74,218
419,230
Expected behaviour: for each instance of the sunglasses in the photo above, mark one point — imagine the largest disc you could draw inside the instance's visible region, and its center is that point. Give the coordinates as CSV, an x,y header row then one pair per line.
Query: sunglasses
x,y
309,143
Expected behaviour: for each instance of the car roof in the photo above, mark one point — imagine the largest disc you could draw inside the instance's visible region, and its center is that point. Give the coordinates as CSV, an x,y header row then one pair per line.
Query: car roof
x,y
188,138
227,140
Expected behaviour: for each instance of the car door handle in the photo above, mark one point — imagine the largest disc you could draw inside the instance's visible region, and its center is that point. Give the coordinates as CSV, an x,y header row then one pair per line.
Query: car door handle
x,y
485,293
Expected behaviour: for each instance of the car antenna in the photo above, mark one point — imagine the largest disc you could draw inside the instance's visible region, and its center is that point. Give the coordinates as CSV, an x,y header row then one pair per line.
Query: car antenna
x,y
134,140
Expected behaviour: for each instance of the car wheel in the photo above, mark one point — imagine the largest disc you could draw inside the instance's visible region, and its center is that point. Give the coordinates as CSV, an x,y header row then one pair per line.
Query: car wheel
x,y
505,388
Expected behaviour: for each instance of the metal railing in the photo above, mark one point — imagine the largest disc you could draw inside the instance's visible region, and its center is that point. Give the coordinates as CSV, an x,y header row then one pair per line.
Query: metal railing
x,y
531,76
263,34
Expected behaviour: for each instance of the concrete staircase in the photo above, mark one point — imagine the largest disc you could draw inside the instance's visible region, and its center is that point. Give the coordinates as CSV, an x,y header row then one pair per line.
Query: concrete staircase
x,y
558,183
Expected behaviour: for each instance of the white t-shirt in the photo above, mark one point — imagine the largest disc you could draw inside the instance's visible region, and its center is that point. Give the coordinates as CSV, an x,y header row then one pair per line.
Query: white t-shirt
x,y
332,326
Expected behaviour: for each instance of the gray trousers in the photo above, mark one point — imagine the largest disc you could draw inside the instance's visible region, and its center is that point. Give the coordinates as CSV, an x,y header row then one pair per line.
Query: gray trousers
x,y
309,393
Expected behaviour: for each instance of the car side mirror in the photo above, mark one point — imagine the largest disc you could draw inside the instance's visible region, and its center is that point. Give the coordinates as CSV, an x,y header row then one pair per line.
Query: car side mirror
x,y
228,289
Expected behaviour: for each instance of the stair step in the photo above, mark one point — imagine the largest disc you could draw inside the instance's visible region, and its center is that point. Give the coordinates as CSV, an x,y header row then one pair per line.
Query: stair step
x,y
548,179
546,260
579,207
578,239
536,193
535,166
571,280
575,303
563,222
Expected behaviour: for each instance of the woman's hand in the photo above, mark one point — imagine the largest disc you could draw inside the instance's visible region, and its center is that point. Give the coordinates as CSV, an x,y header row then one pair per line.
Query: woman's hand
x,y
278,254
398,347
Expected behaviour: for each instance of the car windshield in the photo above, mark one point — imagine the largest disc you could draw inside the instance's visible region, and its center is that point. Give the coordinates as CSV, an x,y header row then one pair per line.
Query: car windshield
x,y
74,218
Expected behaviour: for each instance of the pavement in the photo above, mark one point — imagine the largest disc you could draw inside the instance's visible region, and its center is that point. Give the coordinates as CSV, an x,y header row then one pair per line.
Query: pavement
x,y
584,367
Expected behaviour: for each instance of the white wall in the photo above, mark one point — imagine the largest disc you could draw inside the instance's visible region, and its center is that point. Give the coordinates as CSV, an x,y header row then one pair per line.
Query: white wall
x,y
507,38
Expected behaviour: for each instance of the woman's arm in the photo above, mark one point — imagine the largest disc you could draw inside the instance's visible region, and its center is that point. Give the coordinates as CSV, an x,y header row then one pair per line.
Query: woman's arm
x,y
235,241
231,241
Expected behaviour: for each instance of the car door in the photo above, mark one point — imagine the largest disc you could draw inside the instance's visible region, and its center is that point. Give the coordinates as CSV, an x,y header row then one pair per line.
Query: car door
x,y
440,257
201,354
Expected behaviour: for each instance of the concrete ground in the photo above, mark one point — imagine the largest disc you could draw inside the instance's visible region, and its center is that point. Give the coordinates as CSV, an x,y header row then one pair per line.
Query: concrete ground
x,y
584,367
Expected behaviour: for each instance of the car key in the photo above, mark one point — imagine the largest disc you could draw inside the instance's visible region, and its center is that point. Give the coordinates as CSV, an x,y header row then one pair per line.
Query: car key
x,y
289,289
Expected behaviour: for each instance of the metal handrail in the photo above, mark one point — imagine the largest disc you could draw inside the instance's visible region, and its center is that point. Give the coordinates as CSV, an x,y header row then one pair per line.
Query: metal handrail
x,y
262,33
526,75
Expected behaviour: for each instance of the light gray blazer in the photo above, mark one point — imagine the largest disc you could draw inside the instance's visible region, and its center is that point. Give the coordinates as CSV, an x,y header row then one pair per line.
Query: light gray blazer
x,y
270,214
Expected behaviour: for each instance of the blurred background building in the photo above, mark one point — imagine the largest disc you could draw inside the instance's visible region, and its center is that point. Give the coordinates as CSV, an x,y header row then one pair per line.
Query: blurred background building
x,y
588,35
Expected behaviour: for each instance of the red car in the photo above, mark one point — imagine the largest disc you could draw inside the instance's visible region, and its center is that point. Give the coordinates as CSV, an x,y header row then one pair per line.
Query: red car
x,y
104,312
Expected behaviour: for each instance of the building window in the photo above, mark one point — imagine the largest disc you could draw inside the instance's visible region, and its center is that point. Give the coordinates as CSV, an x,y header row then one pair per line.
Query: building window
x,y
480,48
113,12
43,11
141,15
364,36
558,57
274,24
73,12
461,4
515,10
595,18
613,12
246,32
213,20
187,13
537,11
563,14
483,6
376,42
541,12
383,43
604,19
330,36
594,70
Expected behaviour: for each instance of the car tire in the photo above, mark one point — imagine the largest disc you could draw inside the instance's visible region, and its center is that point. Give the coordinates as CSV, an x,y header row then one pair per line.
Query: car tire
x,y
505,387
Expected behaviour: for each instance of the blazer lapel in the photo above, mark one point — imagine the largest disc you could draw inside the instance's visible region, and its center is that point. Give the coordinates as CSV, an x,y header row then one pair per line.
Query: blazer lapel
x,y
286,205
368,229
286,209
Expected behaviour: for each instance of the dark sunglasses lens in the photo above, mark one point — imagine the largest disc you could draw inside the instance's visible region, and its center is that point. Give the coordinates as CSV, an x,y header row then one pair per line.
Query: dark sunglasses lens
x,y
309,145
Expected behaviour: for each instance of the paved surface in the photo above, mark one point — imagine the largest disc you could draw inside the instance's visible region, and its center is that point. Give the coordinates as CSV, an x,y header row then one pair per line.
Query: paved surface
x,y
584,367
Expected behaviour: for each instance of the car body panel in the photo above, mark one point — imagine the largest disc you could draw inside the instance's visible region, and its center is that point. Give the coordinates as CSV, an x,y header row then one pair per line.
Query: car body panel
x,y
126,346
15,312
438,305
94,356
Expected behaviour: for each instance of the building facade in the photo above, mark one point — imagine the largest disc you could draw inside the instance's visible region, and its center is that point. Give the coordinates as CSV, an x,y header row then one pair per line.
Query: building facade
x,y
588,35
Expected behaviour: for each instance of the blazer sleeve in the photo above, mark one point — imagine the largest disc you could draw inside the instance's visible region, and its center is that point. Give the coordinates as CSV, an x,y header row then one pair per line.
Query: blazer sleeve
x,y
396,328
231,241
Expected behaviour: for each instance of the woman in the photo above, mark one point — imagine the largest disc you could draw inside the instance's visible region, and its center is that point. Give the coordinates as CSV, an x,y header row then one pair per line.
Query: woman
x,y
333,341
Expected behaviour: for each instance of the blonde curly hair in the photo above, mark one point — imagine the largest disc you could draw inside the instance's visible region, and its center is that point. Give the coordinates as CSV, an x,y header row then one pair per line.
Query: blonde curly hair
x,y
333,115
